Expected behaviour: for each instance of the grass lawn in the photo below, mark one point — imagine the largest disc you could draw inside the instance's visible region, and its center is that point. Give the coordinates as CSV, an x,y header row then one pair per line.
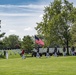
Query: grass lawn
x,y
39,66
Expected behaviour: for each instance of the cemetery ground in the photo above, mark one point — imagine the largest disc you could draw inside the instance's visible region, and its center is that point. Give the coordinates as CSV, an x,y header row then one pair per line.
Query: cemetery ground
x,y
15,65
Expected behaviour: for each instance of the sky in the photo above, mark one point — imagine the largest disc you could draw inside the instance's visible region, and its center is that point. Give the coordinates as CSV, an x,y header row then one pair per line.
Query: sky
x,y
19,17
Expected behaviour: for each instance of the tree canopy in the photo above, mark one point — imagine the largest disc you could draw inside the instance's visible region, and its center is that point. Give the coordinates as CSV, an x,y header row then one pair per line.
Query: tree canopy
x,y
12,41
58,17
27,43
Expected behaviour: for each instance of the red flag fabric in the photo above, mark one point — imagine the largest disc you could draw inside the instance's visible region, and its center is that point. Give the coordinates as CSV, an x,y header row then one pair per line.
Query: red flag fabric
x,y
39,41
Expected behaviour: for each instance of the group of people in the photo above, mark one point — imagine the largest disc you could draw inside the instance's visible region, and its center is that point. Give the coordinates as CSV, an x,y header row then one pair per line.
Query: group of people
x,y
56,52
47,54
72,51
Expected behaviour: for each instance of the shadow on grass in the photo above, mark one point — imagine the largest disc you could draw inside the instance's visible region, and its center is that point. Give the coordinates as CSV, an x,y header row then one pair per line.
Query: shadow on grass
x,y
2,57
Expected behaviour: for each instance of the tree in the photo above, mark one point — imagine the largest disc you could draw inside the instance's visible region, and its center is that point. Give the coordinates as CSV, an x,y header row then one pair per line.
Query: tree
x,y
12,41
73,34
27,43
2,35
57,20
73,30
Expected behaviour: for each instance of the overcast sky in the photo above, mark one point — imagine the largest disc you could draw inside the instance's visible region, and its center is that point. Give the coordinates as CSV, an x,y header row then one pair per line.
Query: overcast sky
x,y
20,16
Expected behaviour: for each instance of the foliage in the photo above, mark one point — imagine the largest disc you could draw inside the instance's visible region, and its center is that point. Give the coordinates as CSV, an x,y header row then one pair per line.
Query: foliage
x,y
27,43
56,22
2,35
11,41
73,34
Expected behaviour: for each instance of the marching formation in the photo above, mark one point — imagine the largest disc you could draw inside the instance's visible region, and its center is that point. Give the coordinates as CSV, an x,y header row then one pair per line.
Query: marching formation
x,y
39,52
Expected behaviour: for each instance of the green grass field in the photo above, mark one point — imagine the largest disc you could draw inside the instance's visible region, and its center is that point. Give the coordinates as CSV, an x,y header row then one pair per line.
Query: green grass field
x,y
39,66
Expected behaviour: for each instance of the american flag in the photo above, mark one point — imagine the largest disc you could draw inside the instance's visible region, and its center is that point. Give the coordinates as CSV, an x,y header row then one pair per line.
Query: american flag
x,y
39,41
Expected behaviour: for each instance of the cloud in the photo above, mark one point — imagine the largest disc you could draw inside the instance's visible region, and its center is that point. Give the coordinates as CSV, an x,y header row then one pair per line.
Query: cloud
x,y
17,14
23,6
3,24
21,10
41,16
28,29
20,19
33,6
12,31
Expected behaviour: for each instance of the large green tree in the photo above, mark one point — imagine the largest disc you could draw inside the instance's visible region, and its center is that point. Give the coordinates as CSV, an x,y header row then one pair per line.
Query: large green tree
x,y
73,30
58,17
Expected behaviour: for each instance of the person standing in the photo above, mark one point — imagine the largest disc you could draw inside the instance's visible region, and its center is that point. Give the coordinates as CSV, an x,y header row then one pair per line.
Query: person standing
x,y
38,55
72,51
23,53
64,51
55,51
47,53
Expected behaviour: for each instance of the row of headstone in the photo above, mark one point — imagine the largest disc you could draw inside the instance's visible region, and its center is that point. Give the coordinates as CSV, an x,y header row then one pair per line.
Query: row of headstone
x,y
11,52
